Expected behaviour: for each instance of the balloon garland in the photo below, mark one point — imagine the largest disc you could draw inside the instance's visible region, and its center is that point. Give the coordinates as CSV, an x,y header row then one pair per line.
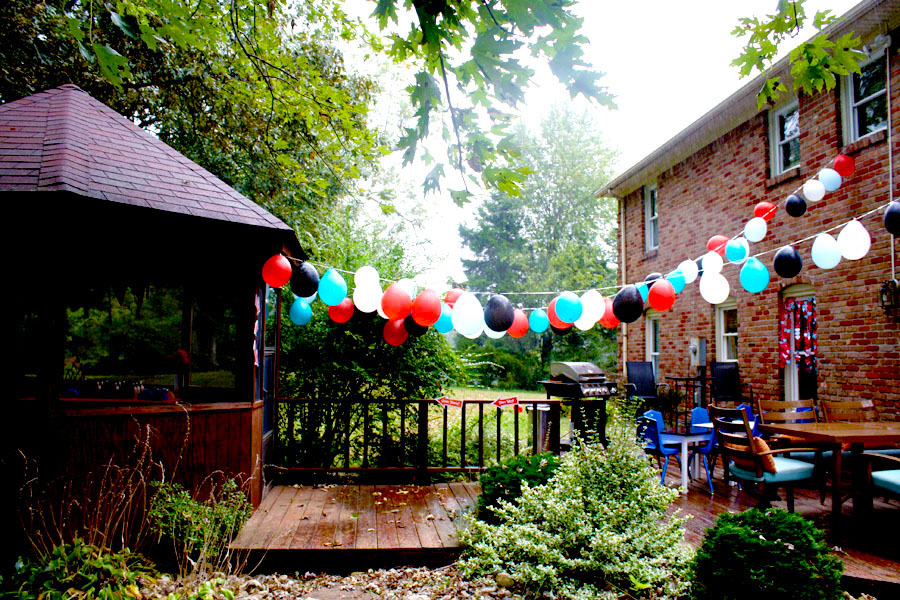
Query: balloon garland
x,y
410,315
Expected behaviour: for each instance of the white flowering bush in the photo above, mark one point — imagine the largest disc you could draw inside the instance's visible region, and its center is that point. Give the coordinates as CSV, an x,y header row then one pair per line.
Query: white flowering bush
x,y
599,528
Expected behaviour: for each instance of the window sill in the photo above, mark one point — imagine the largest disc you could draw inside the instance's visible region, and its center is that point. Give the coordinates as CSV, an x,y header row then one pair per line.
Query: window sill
x,y
864,142
648,254
794,173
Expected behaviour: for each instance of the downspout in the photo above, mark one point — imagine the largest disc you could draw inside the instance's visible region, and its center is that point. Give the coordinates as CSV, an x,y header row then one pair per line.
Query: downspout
x,y
622,281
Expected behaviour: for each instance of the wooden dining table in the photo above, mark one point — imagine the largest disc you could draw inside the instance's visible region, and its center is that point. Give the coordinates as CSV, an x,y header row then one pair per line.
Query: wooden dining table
x,y
835,435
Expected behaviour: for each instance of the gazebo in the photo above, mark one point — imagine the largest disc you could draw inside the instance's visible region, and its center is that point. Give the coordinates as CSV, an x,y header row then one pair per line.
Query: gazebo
x,y
137,299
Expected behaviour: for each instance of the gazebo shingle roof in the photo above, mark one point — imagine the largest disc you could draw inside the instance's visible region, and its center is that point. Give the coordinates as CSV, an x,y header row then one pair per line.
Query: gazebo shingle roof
x,y
62,139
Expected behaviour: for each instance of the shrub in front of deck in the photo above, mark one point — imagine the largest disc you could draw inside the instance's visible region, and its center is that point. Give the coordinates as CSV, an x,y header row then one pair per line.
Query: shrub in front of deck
x,y
770,554
599,528
504,481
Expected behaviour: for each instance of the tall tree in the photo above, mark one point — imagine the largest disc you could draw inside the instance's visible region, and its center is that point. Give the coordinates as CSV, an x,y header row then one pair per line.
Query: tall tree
x,y
555,236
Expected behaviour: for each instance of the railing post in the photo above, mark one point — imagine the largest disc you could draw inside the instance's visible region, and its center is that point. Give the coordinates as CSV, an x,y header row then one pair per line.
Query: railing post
x,y
555,413
422,444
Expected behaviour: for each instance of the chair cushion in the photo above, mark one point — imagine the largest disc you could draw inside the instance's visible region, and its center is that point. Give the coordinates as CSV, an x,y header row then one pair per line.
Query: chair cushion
x,y
768,461
787,470
887,480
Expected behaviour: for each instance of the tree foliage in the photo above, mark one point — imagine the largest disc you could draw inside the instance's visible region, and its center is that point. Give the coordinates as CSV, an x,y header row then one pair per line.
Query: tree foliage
x,y
815,64
555,236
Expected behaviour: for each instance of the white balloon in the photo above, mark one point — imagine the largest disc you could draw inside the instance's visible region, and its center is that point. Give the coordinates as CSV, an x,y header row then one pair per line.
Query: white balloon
x,y
474,334
813,190
366,275
712,263
690,270
467,315
714,288
593,308
381,311
854,240
825,253
494,335
408,286
755,229
367,296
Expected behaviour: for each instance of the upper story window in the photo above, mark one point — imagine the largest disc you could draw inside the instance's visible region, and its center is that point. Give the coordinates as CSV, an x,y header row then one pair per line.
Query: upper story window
x,y
865,99
784,138
651,217
651,322
727,331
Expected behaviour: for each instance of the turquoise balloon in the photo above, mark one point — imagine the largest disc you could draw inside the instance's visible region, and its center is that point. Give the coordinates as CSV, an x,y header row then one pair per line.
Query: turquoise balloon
x,y
445,322
676,278
735,251
644,290
568,307
831,179
332,288
538,321
301,312
754,276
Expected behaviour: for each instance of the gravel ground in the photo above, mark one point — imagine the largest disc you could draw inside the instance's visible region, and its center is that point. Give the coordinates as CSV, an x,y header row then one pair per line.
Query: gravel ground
x,y
413,583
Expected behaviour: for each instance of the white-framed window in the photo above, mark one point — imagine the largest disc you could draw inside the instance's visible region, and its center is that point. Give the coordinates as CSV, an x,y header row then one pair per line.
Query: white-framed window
x,y
784,138
727,331
652,331
864,99
651,217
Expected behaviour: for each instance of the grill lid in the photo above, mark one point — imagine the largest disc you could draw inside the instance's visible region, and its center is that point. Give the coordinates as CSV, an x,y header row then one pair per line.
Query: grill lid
x,y
581,372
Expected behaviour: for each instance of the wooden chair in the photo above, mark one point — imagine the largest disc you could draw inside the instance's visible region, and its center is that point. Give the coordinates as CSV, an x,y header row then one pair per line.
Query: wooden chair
x,y
848,411
748,459
787,411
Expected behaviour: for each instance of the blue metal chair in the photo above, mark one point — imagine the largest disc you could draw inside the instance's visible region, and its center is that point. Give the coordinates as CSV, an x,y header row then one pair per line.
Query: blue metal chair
x,y
698,416
657,444
751,417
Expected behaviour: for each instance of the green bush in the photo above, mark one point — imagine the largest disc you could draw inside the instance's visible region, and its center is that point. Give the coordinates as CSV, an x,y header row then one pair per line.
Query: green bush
x,y
504,481
79,569
200,531
599,528
770,554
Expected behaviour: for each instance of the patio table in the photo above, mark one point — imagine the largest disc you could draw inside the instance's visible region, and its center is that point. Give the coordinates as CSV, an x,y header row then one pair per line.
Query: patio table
x,y
836,434
687,438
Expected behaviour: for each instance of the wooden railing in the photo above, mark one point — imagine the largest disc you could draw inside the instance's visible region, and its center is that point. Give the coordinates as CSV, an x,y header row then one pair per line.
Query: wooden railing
x,y
406,435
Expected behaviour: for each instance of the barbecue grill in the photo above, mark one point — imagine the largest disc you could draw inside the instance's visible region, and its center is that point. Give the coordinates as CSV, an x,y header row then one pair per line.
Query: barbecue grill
x,y
585,387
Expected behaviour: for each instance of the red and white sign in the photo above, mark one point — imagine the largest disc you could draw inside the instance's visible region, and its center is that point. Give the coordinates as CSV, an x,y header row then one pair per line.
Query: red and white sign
x,y
445,401
501,402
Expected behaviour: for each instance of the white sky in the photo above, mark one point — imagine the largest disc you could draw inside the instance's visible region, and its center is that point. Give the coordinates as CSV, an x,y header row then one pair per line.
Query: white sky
x,y
667,63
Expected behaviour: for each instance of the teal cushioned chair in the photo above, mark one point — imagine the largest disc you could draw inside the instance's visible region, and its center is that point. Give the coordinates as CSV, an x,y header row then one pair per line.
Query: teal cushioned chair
x,y
734,437
888,480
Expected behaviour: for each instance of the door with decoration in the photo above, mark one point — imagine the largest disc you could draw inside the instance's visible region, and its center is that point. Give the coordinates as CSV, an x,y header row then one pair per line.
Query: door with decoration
x,y
798,342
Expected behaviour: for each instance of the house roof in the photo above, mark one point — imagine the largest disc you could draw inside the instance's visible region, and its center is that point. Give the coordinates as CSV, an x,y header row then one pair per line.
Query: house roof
x,y
62,139
866,19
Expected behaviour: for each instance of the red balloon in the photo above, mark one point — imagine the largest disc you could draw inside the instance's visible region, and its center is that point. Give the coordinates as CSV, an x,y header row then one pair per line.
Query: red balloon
x,y
766,210
395,302
395,333
426,308
277,271
341,313
520,324
717,244
608,319
452,296
661,295
844,165
554,319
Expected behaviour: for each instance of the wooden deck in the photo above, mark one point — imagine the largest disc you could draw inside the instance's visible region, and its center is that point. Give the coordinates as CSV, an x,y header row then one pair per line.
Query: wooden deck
x,y
367,525
338,528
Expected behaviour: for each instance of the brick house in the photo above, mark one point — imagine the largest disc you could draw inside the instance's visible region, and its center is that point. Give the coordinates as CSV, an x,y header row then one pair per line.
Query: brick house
x,y
706,181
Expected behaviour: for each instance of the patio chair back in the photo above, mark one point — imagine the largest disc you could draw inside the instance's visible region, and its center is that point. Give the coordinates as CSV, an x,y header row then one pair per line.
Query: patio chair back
x,y
734,436
725,383
848,411
642,379
787,411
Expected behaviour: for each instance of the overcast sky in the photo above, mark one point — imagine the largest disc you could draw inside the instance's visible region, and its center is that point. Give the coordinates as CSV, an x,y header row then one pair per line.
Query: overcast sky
x,y
667,63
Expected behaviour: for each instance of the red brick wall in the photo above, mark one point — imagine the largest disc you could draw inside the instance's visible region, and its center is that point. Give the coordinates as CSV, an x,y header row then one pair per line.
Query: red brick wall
x,y
714,192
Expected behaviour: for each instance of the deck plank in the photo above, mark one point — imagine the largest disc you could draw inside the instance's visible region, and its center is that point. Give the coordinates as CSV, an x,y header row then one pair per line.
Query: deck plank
x,y
292,518
323,537
250,529
385,524
443,520
398,496
366,528
306,529
348,521
423,519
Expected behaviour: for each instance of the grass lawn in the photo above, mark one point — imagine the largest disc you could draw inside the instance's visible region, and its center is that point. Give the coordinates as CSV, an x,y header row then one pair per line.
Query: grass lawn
x,y
471,393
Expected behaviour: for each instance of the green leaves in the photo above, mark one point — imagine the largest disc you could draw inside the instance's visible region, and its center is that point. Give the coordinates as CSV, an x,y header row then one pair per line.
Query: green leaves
x,y
113,65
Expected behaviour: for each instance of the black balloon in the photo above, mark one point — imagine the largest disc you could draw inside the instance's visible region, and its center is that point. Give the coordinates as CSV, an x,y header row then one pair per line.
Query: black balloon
x,y
699,262
305,280
787,262
628,306
653,277
795,205
561,331
499,313
413,328
892,218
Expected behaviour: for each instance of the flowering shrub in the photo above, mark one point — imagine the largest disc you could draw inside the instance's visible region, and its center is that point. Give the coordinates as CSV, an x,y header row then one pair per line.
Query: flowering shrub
x,y
766,554
600,527
504,481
